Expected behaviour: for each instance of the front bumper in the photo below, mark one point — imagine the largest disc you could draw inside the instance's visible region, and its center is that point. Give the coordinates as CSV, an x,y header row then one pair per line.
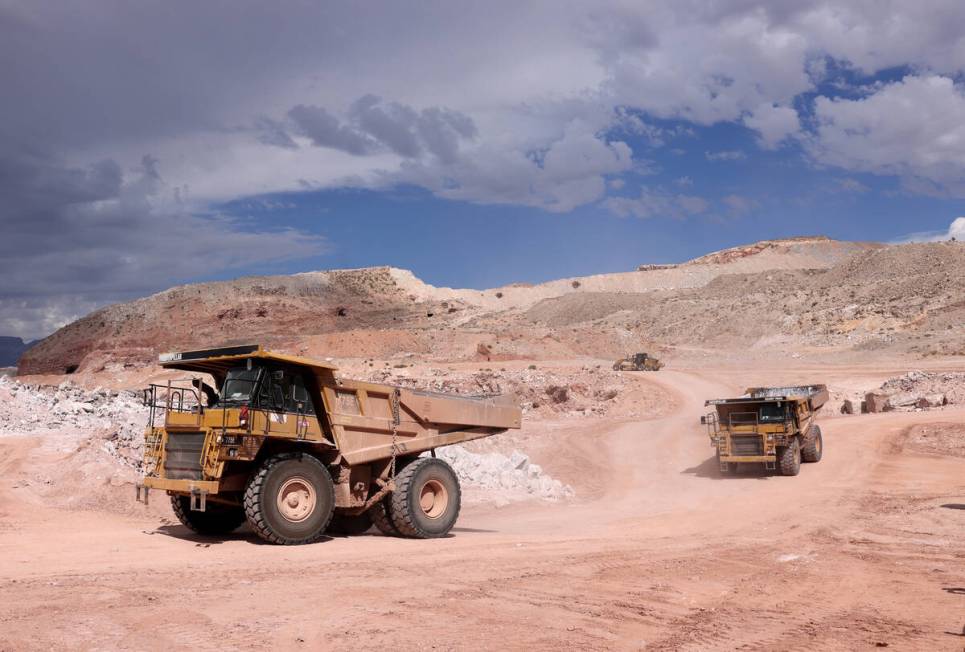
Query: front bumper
x,y
182,486
748,458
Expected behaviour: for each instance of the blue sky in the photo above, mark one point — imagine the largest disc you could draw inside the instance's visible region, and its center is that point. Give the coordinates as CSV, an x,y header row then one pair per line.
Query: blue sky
x,y
149,144
463,244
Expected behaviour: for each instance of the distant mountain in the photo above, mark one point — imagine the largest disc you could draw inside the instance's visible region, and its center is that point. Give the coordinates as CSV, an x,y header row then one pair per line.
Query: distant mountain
x,y
11,348
379,312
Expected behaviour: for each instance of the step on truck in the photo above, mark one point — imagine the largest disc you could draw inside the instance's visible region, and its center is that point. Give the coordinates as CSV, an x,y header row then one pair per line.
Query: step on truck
x,y
773,426
285,444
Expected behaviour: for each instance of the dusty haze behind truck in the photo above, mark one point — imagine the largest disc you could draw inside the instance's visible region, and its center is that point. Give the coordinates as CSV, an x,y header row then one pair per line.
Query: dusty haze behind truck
x,y
286,445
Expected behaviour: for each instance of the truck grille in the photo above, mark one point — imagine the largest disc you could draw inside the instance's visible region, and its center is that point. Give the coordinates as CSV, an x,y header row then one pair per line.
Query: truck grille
x,y
747,445
182,459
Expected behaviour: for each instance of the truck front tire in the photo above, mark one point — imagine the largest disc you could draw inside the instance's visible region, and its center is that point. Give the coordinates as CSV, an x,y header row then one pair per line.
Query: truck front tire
x,y
426,500
789,458
214,520
814,446
290,499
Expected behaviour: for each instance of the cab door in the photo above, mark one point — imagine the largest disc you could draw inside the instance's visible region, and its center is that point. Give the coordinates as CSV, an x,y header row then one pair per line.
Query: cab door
x,y
286,407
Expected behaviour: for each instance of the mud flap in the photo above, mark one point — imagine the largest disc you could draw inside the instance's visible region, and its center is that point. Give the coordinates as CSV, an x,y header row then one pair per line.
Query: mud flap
x,y
199,500
770,465
142,493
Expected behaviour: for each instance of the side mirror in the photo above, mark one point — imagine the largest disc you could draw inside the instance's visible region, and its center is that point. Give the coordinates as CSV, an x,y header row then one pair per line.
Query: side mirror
x,y
703,420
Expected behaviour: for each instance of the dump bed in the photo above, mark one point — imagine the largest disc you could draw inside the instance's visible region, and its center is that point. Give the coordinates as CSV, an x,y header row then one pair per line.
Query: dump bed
x,y
815,395
364,416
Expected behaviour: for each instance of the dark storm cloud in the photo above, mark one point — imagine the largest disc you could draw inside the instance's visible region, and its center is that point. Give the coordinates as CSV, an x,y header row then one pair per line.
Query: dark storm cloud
x,y
392,124
272,132
374,126
324,130
77,237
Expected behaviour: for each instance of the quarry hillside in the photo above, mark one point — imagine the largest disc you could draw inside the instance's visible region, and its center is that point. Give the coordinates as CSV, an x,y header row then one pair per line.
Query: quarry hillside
x,y
778,296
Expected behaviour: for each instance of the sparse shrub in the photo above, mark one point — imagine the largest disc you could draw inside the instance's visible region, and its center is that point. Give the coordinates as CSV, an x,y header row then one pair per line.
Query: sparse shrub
x,y
532,367
575,284
558,393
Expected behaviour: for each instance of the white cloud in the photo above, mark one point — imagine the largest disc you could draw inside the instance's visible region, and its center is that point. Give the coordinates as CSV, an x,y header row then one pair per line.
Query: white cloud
x,y
955,230
852,185
913,128
739,205
726,155
773,123
657,203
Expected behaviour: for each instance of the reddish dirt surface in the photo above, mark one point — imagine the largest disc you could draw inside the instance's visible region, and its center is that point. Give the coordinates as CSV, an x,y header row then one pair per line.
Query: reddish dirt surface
x,y
863,550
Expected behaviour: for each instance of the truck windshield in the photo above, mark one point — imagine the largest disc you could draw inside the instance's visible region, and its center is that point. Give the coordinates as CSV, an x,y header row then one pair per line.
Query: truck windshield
x,y
239,385
772,412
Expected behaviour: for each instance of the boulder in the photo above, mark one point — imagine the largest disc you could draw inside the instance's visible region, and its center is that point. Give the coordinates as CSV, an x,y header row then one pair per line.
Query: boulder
x,y
876,403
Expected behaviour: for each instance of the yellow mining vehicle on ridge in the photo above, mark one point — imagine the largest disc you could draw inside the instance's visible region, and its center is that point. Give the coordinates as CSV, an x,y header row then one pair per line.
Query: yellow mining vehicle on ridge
x,y
773,426
282,442
638,362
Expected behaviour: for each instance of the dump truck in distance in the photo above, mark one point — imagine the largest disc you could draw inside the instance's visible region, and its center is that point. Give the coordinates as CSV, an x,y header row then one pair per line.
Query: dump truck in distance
x,y
283,443
638,362
773,426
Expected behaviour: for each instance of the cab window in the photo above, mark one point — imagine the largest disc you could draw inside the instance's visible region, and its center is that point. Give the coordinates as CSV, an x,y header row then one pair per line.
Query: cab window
x,y
299,396
772,412
283,391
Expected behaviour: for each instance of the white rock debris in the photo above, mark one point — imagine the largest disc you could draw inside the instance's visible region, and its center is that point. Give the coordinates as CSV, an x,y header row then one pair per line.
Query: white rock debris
x,y
513,476
69,417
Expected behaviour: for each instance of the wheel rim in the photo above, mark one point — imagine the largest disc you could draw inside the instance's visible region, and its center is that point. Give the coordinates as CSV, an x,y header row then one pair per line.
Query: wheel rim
x,y
433,499
296,499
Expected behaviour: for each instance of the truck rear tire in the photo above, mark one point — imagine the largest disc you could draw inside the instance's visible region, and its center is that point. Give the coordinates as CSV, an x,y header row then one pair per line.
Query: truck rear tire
x,y
814,445
789,458
381,518
350,524
215,519
290,499
426,500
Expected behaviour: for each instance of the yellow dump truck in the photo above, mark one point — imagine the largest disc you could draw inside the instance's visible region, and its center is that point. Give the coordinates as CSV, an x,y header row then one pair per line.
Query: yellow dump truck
x,y
773,426
283,443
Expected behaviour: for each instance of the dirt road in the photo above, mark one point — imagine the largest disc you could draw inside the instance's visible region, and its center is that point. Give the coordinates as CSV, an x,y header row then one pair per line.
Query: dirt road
x,y
864,550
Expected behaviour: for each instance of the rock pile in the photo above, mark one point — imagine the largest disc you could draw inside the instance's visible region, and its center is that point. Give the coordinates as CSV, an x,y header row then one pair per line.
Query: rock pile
x,y
512,477
69,416
915,390
590,392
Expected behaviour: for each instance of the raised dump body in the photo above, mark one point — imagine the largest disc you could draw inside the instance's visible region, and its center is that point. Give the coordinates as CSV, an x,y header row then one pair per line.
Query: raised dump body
x,y
282,442
773,426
